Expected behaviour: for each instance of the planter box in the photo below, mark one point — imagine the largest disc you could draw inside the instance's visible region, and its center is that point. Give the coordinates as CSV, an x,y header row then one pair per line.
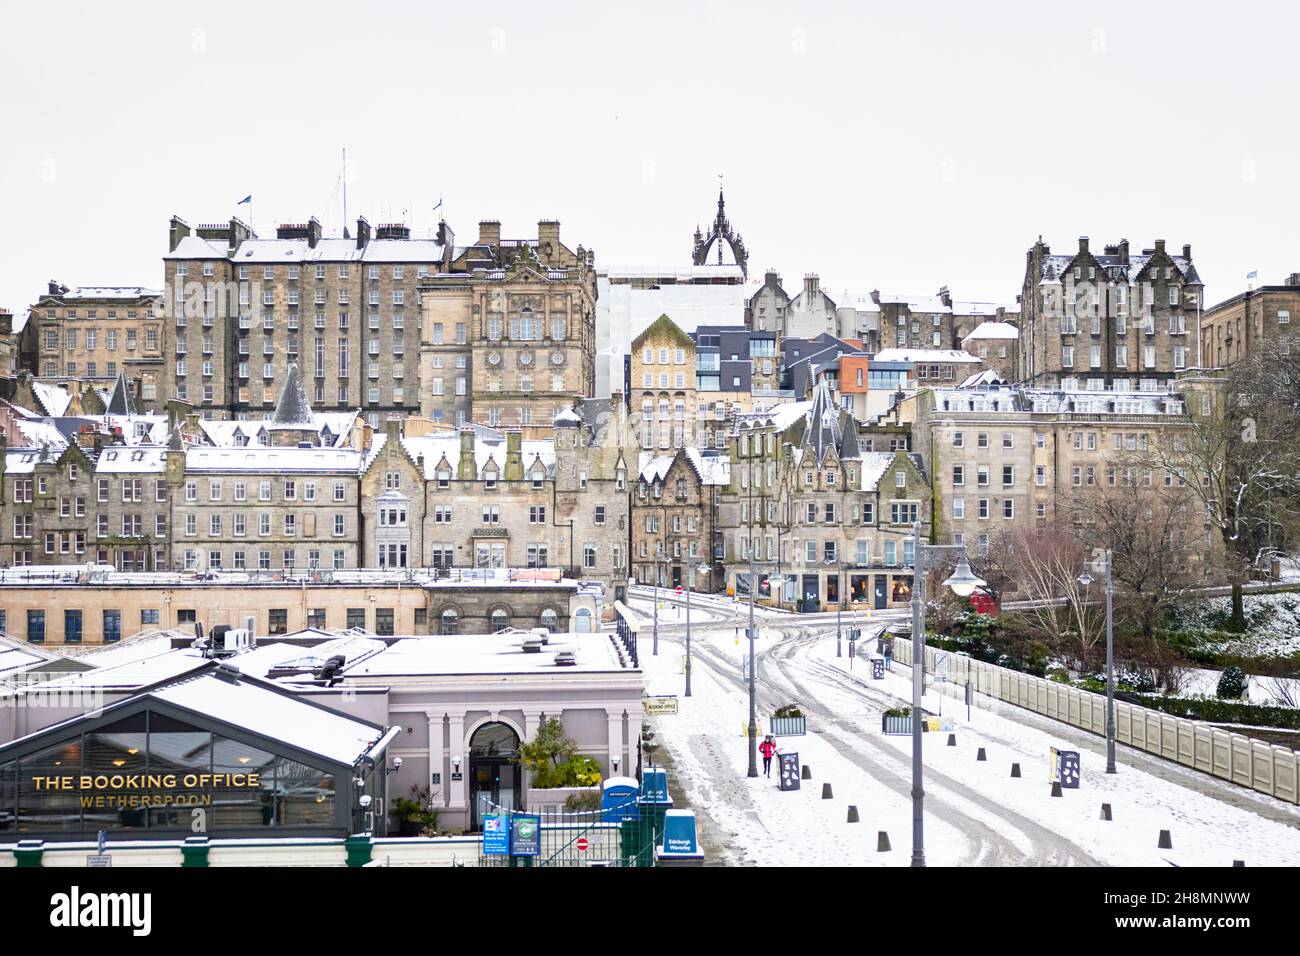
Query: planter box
x,y
789,726
552,800
898,725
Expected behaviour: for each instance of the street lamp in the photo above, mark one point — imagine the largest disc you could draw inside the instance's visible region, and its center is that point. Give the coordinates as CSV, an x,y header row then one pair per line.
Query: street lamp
x,y
773,582
659,557
1086,579
690,586
839,605
963,583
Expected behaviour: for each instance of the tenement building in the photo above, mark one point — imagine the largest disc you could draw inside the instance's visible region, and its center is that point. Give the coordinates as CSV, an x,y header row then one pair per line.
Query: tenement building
x,y
93,334
509,330
1116,322
1233,329
1011,461
805,503
241,309
664,377
675,519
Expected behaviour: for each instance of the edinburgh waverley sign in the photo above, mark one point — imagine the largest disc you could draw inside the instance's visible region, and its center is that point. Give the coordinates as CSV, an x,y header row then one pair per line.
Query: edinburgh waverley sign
x,y
146,789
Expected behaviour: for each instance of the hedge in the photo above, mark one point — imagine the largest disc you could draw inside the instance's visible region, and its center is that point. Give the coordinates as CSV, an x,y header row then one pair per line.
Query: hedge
x,y
1225,711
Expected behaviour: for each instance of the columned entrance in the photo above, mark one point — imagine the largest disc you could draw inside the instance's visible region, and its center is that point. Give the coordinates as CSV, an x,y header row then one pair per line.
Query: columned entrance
x,y
494,773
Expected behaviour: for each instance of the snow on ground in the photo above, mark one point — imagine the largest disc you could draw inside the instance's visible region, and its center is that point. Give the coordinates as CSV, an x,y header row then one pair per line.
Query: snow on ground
x,y
1272,619
1199,682
1205,831
764,825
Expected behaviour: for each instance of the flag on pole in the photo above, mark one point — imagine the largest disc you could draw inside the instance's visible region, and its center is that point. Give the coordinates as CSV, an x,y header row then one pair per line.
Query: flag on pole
x,y
1253,274
246,199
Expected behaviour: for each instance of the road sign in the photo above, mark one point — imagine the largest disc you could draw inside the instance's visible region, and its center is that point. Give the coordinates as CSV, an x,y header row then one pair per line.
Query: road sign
x,y
660,706
99,860
678,589
525,835
582,844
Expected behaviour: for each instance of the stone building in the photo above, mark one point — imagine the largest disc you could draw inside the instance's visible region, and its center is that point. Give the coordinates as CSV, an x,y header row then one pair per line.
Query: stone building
x,y
675,519
1232,329
768,309
509,331
1012,460
1115,322
997,346
241,309
664,372
805,502
491,499
811,312
112,606
90,500
93,334
9,349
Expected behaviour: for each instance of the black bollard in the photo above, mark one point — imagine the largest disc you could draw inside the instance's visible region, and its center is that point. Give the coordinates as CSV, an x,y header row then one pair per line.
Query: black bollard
x,y
1105,811
1015,770
853,814
882,842
1056,788
826,791
806,772
952,740
1166,841
979,754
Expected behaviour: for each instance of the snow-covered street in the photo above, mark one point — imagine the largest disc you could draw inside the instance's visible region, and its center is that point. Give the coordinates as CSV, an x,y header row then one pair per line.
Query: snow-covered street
x,y
975,812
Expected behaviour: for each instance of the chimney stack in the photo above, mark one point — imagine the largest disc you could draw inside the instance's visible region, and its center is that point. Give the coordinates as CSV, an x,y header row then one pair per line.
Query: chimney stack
x,y
363,232
514,470
489,232
313,232
1083,245
548,237
810,283
1187,251
176,231
1160,246
468,469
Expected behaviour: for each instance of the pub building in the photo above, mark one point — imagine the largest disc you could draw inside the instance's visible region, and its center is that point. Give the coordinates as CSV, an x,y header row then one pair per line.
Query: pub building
x,y
214,752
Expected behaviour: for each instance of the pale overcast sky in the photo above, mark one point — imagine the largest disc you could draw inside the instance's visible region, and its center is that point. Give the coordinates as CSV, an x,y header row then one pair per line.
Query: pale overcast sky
x,y
893,146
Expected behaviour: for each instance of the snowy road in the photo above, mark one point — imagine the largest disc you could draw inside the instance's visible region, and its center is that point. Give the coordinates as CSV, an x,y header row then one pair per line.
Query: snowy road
x,y
976,814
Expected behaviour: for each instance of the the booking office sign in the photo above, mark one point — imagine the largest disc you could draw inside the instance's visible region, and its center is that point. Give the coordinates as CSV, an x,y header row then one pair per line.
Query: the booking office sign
x,y
99,791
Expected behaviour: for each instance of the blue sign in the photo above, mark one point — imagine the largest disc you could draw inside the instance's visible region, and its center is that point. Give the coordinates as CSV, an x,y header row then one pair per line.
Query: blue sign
x,y
618,800
525,835
496,834
654,786
679,833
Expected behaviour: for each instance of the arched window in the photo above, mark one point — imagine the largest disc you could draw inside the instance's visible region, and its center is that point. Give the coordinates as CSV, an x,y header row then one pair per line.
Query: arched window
x,y
500,619
582,621
450,621
549,619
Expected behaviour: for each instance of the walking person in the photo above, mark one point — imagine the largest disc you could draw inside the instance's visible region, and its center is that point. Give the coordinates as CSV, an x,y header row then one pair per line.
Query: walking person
x,y
767,748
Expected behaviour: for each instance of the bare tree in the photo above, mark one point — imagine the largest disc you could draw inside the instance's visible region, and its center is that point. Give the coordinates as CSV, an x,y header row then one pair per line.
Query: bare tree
x,y
1154,533
1058,606
1240,457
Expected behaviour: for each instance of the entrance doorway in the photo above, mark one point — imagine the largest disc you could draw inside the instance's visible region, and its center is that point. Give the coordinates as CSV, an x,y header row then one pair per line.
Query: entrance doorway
x,y
494,775
812,593
882,591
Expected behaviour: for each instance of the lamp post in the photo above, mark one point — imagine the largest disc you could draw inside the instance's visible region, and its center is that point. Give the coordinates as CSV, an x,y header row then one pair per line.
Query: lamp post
x,y
963,583
839,604
690,586
1086,579
753,707
659,556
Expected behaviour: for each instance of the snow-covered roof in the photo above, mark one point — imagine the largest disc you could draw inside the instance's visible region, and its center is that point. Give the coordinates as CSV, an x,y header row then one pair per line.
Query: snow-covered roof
x,y
779,417
126,292
256,458
491,654
35,432
872,468
1054,267
916,303
993,330
489,446
980,308
54,400
130,459
924,355
712,469
192,247
980,379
